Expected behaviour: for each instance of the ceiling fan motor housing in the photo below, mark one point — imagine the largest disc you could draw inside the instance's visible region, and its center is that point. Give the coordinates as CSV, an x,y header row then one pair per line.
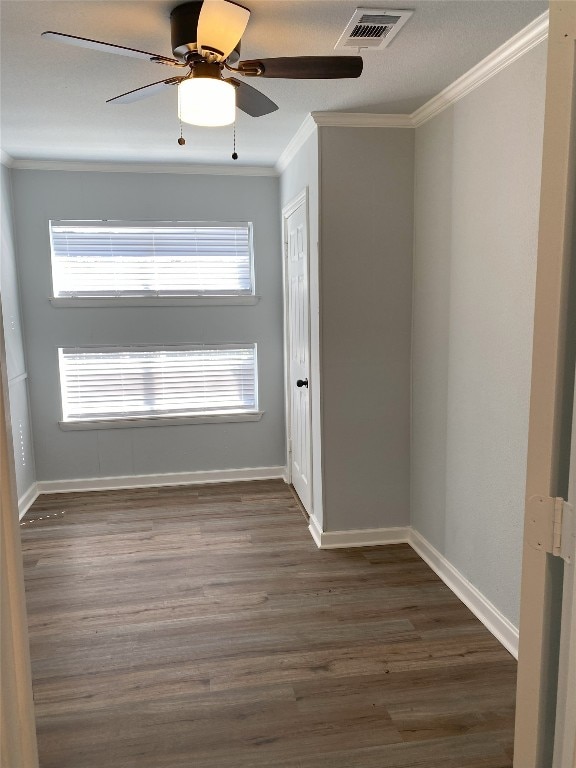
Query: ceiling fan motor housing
x,y
184,31
204,69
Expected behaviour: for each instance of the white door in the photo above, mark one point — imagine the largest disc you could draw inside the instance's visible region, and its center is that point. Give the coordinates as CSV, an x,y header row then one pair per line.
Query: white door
x,y
541,589
298,326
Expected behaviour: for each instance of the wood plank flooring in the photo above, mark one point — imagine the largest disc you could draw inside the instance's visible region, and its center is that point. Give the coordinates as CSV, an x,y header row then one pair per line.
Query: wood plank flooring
x,y
200,627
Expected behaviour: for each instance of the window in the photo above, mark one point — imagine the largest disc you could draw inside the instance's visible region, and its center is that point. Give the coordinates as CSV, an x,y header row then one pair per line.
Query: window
x,y
145,383
118,259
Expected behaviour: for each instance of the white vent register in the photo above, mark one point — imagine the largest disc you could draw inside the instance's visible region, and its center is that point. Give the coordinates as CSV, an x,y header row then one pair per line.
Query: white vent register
x,y
372,28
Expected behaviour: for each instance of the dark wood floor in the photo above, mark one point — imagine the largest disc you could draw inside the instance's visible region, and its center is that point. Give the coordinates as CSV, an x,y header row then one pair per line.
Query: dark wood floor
x,y
201,628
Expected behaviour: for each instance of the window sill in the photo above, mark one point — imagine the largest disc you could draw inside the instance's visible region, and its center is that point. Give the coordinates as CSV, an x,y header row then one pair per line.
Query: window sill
x,y
153,301
160,421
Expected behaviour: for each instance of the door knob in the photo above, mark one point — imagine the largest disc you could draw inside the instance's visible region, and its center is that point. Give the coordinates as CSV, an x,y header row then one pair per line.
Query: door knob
x,y
302,383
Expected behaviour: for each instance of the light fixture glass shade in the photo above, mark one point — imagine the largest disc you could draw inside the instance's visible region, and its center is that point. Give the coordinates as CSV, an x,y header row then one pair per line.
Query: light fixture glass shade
x,y
206,101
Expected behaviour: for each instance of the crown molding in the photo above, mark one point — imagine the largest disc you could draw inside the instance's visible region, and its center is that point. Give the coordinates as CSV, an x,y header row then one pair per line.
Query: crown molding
x,y
506,54
172,168
316,120
5,159
361,120
296,143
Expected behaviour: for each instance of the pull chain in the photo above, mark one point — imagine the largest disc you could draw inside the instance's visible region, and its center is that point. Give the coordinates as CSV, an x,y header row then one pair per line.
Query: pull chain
x,y
181,140
234,153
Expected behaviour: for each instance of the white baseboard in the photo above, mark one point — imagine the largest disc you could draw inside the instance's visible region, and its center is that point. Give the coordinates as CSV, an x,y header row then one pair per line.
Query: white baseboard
x,y
169,478
494,621
315,531
502,629
27,499
365,537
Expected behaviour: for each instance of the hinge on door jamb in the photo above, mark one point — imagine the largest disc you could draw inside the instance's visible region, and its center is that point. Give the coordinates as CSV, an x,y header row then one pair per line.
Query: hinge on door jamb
x,y
551,526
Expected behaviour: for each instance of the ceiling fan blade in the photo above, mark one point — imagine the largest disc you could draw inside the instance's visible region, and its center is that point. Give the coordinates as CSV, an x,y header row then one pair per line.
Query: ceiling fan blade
x,y
251,101
96,45
220,27
303,67
145,91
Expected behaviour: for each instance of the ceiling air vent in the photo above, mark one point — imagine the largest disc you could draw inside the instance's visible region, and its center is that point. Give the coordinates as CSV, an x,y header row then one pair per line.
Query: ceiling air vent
x,y
372,28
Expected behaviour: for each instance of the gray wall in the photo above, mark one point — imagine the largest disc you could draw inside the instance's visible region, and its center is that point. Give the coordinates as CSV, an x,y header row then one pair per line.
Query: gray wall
x,y
366,215
476,221
43,195
15,357
303,173
361,192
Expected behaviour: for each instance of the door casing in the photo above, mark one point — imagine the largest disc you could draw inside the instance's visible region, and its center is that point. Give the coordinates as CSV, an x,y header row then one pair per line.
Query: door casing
x,y
537,675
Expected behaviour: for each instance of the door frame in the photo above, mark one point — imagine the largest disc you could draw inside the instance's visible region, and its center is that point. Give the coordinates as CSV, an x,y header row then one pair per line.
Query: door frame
x,y
18,745
548,400
302,198
565,726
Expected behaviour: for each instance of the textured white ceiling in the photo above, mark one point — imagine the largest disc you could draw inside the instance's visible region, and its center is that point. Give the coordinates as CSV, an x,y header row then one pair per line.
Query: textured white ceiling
x,y
53,96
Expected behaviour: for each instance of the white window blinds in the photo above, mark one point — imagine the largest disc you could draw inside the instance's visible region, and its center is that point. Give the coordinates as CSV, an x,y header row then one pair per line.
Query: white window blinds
x,y
146,382
106,259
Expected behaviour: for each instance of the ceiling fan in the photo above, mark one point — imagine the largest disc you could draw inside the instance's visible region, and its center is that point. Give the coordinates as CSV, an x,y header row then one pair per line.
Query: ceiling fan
x,y
206,39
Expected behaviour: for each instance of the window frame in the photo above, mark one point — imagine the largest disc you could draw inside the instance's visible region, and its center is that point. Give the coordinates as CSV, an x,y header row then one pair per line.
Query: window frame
x,y
152,299
158,420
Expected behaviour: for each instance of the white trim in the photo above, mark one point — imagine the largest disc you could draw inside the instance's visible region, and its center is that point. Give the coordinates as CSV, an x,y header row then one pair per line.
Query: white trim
x,y
361,120
169,478
5,159
494,621
300,199
159,421
533,34
295,144
27,499
336,119
153,301
24,164
506,54
502,629
315,531
364,537
17,379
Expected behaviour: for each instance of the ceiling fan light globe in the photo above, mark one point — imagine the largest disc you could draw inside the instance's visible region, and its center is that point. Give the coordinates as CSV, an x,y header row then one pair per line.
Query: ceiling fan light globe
x,y
207,102
220,27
